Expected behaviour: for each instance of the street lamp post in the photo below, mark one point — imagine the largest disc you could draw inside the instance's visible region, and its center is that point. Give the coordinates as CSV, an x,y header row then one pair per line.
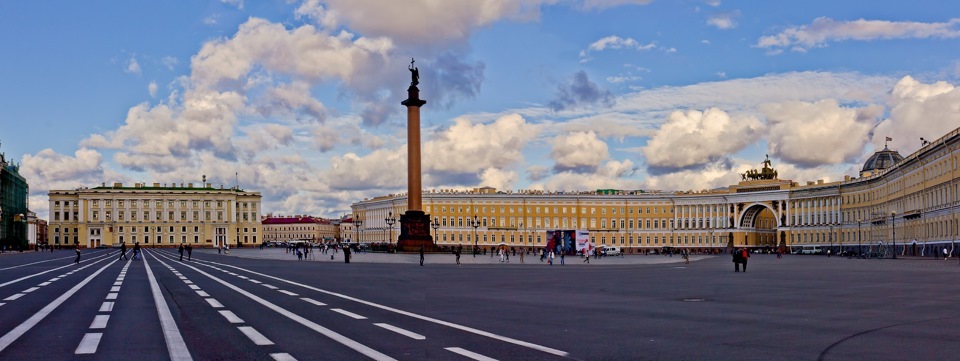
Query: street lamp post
x,y
436,228
356,226
390,222
475,222
893,227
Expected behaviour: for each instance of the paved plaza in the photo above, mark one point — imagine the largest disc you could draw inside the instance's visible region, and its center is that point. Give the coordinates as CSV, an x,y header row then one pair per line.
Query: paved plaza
x,y
265,304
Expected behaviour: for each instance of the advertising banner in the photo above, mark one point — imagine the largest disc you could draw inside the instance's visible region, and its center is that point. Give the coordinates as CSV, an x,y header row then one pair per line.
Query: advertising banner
x,y
562,241
583,240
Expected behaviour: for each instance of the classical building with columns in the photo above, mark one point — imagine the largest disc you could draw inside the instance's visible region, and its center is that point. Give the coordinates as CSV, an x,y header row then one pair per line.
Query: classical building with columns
x,y
909,200
158,215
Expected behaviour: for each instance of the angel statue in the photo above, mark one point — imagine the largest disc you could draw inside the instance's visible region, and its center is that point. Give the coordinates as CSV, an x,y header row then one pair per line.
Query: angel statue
x,y
414,73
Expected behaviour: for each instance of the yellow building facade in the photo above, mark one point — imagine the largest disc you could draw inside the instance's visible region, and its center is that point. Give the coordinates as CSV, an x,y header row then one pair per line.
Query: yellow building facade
x,y
157,215
911,200
299,228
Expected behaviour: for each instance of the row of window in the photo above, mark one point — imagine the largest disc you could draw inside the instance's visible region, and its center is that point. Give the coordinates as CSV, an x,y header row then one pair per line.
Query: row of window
x,y
564,210
624,240
158,203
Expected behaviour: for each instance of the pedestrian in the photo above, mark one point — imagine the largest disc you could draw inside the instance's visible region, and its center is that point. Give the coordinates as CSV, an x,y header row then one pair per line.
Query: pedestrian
x,y
180,249
586,255
136,251
299,255
189,252
421,255
123,251
686,256
219,248
736,260
456,252
77,261
346,254
561,257
744,255
945,253
521,256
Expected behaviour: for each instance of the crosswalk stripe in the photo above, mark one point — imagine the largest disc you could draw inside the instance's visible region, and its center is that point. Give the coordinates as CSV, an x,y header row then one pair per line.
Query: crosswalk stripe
x,y
88,344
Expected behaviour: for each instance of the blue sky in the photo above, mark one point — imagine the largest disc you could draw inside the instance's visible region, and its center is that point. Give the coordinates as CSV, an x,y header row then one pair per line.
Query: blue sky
x,y
300,99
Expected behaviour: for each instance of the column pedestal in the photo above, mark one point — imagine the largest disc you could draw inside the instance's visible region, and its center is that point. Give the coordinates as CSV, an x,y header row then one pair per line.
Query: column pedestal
x,y
415,232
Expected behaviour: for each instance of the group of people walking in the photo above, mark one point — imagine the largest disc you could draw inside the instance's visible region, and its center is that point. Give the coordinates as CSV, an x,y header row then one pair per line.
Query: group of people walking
x,y
182,248
136,251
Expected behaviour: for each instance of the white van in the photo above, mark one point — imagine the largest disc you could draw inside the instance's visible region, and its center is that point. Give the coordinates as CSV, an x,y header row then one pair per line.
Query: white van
x,y
611,251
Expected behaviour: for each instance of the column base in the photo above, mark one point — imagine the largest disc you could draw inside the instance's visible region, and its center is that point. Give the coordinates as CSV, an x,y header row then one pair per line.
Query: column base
x,y
415,232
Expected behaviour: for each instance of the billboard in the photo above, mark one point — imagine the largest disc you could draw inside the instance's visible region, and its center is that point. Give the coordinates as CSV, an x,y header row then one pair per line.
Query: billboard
x,y
566,241
583,240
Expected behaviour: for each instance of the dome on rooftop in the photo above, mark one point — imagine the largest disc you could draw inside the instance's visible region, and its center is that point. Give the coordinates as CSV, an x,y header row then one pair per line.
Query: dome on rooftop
x,y
880,160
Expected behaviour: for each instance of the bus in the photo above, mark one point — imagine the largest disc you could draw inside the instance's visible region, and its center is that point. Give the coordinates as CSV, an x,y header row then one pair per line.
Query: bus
x,y
808,250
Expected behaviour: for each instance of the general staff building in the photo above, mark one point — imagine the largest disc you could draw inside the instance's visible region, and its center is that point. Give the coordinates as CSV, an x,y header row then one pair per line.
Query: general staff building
x,y
910,200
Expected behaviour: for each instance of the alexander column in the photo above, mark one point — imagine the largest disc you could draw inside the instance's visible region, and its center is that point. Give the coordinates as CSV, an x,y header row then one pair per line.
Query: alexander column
x,y
414,224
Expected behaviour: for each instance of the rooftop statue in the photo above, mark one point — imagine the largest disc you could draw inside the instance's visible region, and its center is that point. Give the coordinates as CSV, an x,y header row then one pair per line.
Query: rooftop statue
x,y
414,73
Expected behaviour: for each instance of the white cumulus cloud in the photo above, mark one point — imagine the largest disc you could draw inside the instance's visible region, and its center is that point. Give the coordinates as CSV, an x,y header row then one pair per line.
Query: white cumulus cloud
x,y
918,110
824,30
695,138
818,133
579,150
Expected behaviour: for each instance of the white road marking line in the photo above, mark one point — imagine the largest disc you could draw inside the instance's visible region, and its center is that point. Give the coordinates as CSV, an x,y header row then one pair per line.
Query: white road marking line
x,y
414,315
213,303
27,264
348,313
106,307
171,333
257,338
89,344
31,289
44,284
16,296
21,329
111,296
232,274
115,289
102,258
118,283
469,354
100,321
361,348
287,293
272,287
1,303
54,279
413,335
203,294
282,357
313,301
194,287
255,281
189,282
231,316
243,277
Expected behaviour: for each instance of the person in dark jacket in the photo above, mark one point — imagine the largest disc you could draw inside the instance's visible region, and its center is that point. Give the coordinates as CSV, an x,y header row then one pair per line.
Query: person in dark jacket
x,y
744,256
421,255
123,250
736,260
189,252
77,261
180,249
